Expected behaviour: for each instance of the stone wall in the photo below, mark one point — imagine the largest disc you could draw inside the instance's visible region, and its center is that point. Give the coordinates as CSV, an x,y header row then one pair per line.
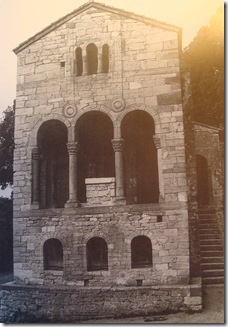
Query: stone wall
x,y
117,225
100,191
44,304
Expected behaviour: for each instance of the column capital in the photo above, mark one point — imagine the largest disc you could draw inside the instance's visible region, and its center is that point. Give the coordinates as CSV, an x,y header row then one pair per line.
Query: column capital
x,y
157,141
118,145
72,147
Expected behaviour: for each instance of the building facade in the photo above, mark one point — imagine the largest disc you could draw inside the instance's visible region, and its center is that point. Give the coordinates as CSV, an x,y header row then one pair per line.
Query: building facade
x,y
100,184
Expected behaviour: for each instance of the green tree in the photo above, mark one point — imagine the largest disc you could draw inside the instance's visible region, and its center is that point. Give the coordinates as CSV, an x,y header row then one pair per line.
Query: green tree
x,y
205,58
6,148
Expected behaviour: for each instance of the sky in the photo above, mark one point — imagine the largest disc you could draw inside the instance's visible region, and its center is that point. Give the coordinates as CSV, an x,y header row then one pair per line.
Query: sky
x,y
21,19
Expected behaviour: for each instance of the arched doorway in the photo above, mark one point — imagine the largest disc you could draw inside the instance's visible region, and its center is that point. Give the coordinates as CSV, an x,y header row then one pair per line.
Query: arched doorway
x,y
95,156
54,164
203,180
140,158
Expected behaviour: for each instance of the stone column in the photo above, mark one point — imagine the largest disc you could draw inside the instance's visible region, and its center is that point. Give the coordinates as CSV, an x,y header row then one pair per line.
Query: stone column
x,y
157,143
35,176
99,64
118,149
72,151
84,62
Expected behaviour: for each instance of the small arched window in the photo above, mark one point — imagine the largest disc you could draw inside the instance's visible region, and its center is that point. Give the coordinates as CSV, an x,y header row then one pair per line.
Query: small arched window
x,y
97,254
53,254
79,63
105,58
92,61
141,252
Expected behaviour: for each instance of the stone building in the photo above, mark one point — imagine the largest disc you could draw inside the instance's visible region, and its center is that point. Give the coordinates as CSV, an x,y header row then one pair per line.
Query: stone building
x,y
103,206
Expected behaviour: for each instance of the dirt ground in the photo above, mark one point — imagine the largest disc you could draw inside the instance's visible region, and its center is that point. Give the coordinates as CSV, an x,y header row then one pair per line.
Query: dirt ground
x,y
213,311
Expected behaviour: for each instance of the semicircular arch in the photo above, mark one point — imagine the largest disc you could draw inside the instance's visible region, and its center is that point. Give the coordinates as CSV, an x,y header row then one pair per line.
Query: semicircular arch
x,y
152,111
44,119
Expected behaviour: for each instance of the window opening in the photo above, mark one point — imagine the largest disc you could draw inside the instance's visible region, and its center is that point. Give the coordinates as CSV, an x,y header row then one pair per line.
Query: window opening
x,y
92,61
53,254
141,252
79,62
105,58
97,254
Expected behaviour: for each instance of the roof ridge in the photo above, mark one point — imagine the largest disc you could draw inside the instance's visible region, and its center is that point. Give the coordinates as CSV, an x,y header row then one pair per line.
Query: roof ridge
x,y
89,4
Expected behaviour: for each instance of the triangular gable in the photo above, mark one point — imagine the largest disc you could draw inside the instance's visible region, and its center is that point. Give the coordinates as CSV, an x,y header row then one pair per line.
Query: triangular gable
x,y
99,6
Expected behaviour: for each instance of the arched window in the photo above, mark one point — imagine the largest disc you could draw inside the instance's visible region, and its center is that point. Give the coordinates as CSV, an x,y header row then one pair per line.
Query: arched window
x,y
79,63
92,62
97,254
141,252
105,58
53,254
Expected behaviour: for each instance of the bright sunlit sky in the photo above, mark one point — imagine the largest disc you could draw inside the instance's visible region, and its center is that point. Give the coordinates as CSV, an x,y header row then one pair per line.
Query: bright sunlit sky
x,y
21,19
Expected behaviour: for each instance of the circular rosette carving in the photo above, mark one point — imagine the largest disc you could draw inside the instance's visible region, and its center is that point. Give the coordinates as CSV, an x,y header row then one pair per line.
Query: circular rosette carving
x,y
118,105
69,110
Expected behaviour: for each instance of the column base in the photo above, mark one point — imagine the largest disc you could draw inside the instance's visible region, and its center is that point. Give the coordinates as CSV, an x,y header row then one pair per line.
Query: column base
x,y
72,204
120,200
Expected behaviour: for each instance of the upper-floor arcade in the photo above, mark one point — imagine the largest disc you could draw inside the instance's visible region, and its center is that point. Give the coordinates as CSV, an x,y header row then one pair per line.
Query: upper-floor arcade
x,y
128,153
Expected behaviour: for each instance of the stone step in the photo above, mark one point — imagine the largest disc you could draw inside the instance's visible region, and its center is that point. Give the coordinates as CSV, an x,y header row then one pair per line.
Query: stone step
x,y
211,247
213,273
206,209
213,280
211,242
212,259
208,226
209,265
208,236
211,254
209,231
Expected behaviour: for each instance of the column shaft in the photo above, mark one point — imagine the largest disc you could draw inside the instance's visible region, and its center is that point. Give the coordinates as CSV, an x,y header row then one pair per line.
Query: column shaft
x,y
35,175
72,150
157,143
99,64
118,148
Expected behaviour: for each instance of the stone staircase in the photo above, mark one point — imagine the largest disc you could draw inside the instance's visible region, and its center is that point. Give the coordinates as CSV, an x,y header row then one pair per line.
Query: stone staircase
x,y
211,248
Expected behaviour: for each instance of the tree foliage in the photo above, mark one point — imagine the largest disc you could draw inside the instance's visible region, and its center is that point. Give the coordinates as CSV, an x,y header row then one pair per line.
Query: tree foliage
x,y
205,58
6,148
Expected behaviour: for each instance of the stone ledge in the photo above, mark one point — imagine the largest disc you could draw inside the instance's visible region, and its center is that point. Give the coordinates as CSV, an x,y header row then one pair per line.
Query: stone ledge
x,y
157,208
102,180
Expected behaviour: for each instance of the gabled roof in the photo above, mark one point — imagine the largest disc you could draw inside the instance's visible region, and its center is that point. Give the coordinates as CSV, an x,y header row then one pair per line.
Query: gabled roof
x,y
99,6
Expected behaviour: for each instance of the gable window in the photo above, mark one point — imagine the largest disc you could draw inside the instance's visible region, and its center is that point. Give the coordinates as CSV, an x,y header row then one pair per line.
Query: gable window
x,y
105,58
53,254
79,62
92,61
97,254
141,252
